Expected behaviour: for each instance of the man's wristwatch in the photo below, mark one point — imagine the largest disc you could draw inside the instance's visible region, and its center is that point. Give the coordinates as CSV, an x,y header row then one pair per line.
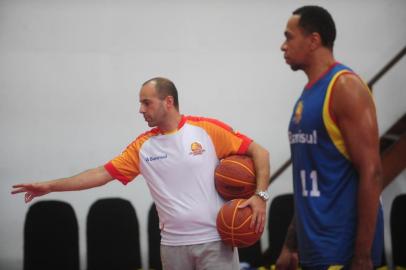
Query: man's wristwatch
x,y
263,194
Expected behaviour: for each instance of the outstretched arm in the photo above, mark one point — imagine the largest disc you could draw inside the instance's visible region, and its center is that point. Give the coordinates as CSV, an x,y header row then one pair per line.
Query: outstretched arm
x,y
85,180
260,157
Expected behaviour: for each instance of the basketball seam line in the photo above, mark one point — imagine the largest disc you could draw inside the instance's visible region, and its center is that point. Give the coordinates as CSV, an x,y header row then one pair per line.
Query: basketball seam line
x,y
235,180
239,163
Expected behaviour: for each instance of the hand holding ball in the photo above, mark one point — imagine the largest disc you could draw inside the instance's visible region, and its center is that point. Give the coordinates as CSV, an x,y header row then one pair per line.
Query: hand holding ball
x,y
233,225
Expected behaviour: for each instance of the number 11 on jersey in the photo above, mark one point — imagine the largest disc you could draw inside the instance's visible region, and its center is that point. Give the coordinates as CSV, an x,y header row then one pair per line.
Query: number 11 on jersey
x,y
314,191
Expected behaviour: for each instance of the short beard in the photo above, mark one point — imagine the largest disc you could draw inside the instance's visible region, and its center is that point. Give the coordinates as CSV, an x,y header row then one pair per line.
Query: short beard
x,y
296,67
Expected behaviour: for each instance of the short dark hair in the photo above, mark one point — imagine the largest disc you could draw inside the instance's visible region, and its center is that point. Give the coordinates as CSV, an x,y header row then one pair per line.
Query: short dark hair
x,y
317,19
164,88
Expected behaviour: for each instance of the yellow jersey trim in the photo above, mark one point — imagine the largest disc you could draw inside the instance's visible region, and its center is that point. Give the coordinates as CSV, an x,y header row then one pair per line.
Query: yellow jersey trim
x,y
335,267
331,126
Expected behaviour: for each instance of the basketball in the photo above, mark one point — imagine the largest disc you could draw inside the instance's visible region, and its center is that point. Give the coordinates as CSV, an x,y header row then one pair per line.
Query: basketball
x,y
235,178
233,225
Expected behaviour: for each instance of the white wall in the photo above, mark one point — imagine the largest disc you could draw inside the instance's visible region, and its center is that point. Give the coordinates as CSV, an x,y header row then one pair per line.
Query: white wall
x,y
70,72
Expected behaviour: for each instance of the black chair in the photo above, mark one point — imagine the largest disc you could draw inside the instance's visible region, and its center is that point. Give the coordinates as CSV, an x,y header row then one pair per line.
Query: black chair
x,y
398,231
112,236
252,255
51,239
280,215
154,239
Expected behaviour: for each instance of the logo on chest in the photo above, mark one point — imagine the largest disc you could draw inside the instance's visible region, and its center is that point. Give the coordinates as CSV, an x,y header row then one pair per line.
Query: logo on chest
x,y
197,149
155,158
298,112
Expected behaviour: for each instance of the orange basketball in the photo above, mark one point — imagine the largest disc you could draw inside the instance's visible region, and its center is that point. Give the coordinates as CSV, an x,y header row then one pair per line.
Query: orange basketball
x,y
233,225
235,177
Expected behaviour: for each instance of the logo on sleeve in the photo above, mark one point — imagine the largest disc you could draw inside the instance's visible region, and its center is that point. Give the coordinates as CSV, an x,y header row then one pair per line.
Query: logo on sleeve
x,y
196,148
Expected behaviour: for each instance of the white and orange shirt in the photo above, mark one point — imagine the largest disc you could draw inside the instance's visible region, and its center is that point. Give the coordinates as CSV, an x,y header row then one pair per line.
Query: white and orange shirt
x,y
179,170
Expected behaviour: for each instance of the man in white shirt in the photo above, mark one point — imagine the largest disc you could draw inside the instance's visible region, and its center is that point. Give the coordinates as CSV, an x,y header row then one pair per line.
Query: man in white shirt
x,y
177,158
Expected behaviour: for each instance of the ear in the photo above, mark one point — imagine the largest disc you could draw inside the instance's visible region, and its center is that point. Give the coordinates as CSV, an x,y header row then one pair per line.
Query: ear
x,y
169,101
315,41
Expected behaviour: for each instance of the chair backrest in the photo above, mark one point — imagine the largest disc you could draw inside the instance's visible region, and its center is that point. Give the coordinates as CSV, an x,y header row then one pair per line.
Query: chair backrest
x,y
398,230
279,217
112,236
251,256
154,239
51,239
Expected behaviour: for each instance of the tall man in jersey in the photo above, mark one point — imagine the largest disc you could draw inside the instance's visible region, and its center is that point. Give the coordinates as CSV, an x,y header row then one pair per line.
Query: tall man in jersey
x,y
334,142
177,158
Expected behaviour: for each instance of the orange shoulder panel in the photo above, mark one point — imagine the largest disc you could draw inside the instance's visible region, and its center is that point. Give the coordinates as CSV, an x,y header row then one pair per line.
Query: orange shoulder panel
x,y
226,141
125,167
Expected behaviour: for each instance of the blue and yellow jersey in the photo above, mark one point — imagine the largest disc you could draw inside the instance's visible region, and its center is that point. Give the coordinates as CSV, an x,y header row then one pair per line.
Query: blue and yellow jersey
x,y
324,179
